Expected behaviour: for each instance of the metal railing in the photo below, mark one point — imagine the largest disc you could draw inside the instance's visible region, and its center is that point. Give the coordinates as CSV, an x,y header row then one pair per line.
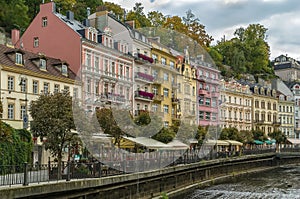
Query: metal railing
x,y
37,173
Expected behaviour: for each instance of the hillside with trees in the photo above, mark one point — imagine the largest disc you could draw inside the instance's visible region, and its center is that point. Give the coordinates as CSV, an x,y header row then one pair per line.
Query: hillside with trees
x,y
247,52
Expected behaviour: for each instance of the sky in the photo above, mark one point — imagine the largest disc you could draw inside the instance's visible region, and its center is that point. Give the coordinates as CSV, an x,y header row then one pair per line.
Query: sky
x,y
222,17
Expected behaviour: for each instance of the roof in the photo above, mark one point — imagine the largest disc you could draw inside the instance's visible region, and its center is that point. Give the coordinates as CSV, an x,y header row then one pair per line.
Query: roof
x,y
72,23
233,142
144,141
176,144
29,64
216,142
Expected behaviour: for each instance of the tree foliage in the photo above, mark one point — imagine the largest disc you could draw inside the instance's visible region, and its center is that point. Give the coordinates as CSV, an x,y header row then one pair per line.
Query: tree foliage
x,y
165,135
137,14
52,118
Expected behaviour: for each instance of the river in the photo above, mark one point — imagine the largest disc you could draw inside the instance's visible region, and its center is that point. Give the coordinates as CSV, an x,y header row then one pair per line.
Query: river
x,y
283,182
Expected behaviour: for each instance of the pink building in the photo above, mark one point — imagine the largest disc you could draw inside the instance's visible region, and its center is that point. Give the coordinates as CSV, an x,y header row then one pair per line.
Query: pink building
x,y
100,62
208,94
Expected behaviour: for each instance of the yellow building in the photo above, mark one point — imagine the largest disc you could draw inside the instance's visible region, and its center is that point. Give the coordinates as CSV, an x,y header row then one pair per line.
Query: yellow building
x,y
264,109
236,102
164,85
24,76
286,114
186,91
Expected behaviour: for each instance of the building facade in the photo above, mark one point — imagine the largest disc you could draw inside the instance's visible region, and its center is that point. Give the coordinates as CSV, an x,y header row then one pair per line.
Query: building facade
x,y
236,105
287,68
24,76
295,88
264,109
208,93
286,115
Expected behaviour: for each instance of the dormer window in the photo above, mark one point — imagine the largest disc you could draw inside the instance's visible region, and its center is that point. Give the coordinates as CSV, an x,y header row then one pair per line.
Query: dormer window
x,y
42,64
64,70
19,58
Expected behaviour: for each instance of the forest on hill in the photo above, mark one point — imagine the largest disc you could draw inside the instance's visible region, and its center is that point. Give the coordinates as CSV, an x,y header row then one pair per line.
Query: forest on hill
x,y
247,52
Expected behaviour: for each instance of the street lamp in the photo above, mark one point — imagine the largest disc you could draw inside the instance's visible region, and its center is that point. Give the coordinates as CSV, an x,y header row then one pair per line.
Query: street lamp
x,y
23,84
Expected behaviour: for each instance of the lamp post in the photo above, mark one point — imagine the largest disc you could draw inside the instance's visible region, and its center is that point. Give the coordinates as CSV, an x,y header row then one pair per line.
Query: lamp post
x,y
23,84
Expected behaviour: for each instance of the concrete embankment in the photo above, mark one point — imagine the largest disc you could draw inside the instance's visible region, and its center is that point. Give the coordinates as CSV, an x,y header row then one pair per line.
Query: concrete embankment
x,y
151,184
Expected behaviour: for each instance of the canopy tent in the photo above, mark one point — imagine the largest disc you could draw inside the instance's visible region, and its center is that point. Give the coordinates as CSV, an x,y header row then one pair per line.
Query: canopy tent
x,y
258,142
130,142
176,144
270,141
233,142
293,141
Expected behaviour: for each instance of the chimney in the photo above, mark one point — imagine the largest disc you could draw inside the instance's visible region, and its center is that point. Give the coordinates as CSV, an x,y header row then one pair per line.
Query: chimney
x,y
48,7
70,15
130,23
15,36
88,11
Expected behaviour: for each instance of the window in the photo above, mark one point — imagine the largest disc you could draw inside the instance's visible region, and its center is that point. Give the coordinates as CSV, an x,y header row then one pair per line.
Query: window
x,y
10,112
96,64
10,83
201,115
201,100
113,68
127,72
64,69
166,92
166,124
35,87
166,109
120,70
19,58
154,107
23,85
207,101
194,91
172,64
66,89
88,85
207,115
44,21
97,87
166,77
154,90
88,61
46,88
56,88
163,61
35,42
214,102
75,92
22,111
105,66
214,116
42,64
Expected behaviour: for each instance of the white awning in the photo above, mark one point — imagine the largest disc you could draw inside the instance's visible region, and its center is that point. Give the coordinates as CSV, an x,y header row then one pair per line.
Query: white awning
x,y
293,141
233,142
147,142
216,142
176,144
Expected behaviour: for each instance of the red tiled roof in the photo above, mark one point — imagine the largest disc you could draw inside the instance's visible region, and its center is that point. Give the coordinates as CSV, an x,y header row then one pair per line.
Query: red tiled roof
x,y
29,57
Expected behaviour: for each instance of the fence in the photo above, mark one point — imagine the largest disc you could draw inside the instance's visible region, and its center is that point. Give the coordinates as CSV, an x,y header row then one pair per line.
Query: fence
x,y
37,173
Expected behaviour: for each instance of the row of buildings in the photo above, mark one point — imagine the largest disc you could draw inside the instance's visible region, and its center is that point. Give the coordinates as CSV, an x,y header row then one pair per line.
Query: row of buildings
x,y
105,61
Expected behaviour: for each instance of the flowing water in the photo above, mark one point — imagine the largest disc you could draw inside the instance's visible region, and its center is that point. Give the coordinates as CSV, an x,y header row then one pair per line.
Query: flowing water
x,y
279,183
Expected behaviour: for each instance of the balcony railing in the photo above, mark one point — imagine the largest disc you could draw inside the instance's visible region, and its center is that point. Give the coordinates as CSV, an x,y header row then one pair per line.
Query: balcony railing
x,y
158,80
158,97
114,97
175,100
145,57
144,76
144,95
277,123
203,92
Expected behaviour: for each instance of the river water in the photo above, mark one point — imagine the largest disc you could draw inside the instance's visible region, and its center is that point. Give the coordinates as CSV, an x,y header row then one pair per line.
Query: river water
x,y
283,182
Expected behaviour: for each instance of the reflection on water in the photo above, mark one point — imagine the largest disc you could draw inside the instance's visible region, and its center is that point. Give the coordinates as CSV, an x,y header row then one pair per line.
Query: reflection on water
x,y
279,183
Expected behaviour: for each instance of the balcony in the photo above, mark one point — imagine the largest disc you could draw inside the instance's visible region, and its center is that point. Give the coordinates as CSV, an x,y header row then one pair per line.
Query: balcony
x,y
259,122
143,95
174,85
144,77
112,97
203,92
175,100
158,98
175,117
277,123
215,94
144,58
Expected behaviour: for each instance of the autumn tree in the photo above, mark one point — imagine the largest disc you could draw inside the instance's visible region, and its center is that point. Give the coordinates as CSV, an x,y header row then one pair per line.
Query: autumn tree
x,y
52,118
156,18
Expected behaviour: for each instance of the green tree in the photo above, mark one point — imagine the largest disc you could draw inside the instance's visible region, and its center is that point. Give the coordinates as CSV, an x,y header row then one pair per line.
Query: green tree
x,y
279,137
13,14
116,9
53,118
165,135
259,135
201,134
246,136
156,18
80,8
230,133
137,14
